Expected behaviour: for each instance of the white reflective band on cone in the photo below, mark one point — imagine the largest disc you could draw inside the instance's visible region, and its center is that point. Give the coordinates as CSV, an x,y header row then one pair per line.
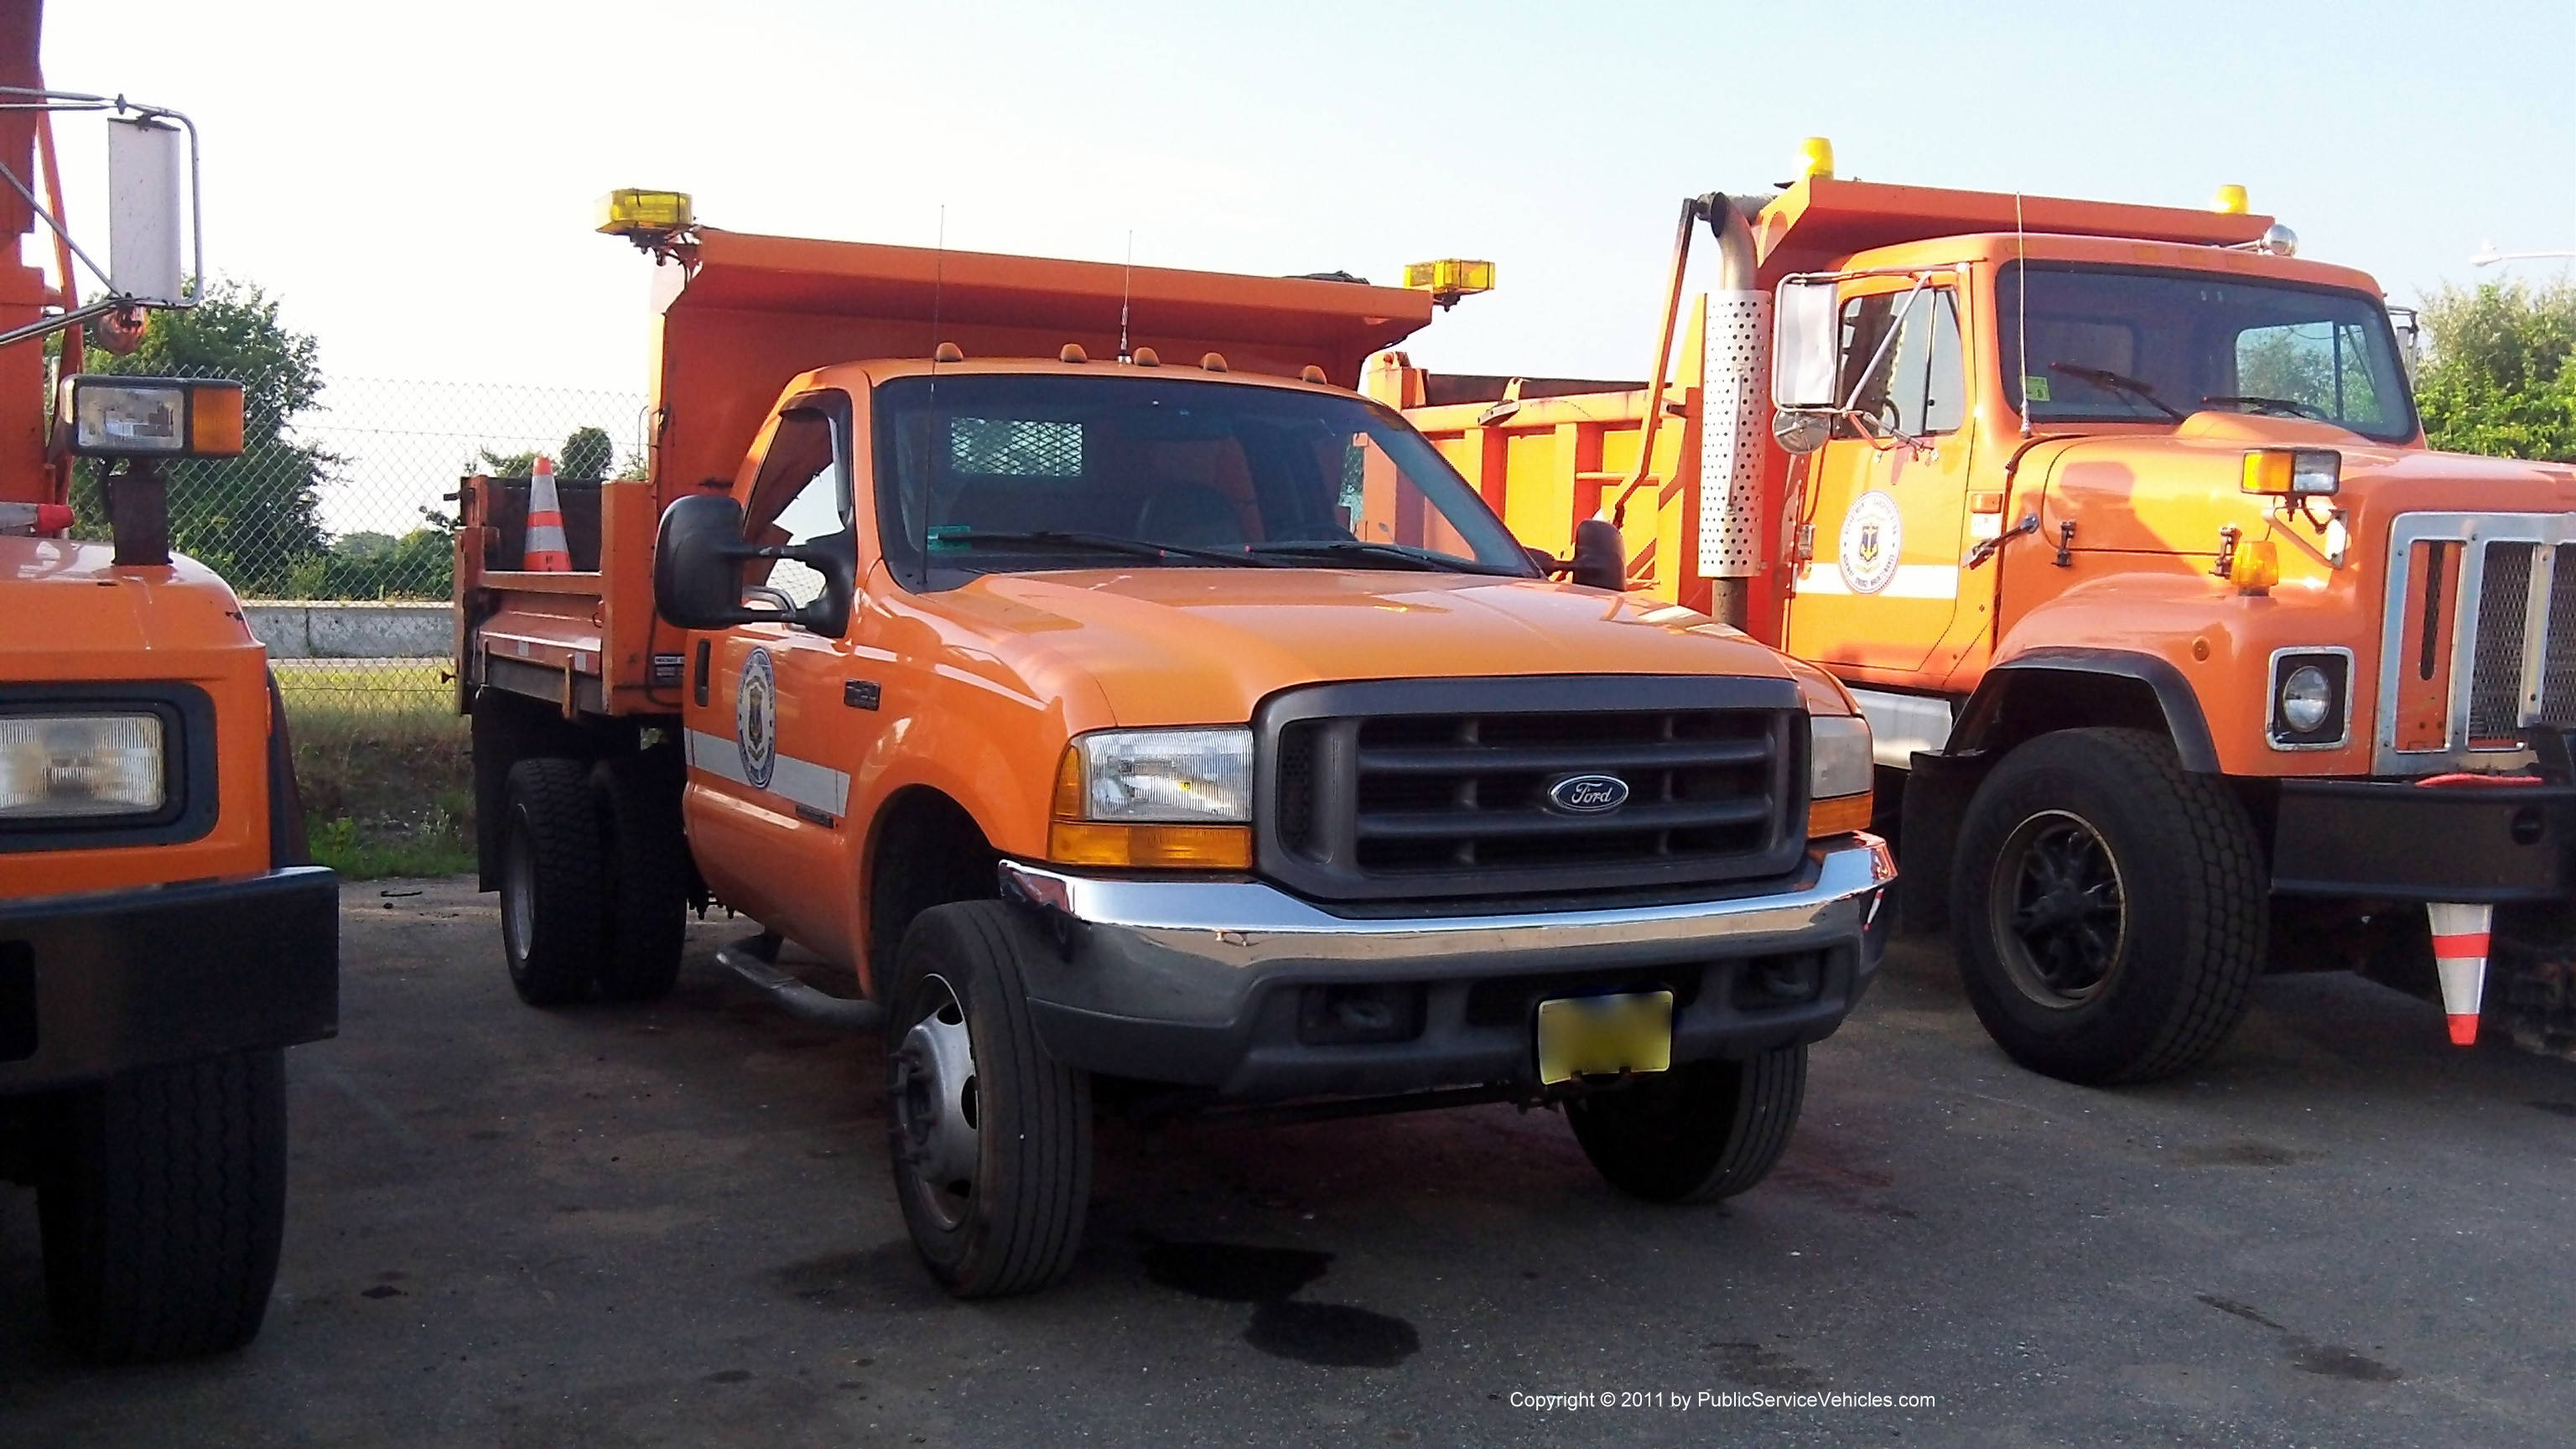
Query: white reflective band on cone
x,y
2460,957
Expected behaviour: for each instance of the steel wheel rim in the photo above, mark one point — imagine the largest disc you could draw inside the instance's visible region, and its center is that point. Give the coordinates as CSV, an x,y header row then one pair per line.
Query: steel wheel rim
x,y
518,897
938,1107
2060,910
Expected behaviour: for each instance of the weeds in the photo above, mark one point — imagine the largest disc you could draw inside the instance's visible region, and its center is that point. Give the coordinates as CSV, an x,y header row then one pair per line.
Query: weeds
x,y
387,779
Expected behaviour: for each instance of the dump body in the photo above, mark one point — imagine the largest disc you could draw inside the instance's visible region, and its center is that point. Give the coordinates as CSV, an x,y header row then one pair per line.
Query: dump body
x,y
2009,553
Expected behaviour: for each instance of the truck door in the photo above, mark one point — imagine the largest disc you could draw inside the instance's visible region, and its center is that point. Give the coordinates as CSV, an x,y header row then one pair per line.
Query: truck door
x,y
1886,494
771,746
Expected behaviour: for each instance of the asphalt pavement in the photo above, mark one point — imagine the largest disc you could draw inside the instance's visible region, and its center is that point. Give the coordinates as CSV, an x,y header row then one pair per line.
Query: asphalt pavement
x,y
674,1225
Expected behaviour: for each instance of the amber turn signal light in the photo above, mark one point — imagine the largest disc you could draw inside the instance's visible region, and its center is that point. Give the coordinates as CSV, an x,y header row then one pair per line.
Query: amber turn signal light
x,y
2293,472
1839,815
1150,847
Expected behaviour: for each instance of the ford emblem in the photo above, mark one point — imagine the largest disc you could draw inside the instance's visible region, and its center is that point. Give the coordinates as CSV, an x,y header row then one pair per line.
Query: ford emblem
x,y
1588,794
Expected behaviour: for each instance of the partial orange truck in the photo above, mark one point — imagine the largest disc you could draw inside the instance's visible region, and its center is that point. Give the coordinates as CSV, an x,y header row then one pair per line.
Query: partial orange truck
x,y
1025,643
160,941
2186,659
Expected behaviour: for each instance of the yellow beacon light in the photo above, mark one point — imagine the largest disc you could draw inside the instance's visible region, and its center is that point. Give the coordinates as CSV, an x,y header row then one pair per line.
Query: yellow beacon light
x,y
1815,158
2231,201
1449,279
643,215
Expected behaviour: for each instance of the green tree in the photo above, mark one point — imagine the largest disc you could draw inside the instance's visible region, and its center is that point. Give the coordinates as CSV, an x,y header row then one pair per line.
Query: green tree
x,y
254,518
587,455
585,458
2501,372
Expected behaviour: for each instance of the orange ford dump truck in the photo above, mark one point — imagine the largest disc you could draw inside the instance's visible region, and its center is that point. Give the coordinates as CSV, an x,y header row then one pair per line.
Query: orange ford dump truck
x,y
159,944
2186,659
1026,640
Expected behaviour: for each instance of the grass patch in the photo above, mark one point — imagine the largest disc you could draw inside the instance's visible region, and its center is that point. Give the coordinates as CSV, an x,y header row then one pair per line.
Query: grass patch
x,y
386,770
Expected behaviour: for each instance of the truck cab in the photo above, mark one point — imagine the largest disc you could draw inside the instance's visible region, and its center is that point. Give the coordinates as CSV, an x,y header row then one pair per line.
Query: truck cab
x,y
2186,658
1142,720
162,936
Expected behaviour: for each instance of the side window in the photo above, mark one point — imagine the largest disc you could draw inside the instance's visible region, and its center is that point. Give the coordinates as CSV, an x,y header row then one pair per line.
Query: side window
x,y
1919,386
801,496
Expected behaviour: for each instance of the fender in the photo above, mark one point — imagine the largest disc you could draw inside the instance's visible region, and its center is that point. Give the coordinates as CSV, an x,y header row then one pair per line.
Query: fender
x,y
1982,720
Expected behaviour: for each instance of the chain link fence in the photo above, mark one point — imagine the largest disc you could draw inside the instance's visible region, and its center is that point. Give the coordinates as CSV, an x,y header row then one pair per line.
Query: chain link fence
x,y
335,525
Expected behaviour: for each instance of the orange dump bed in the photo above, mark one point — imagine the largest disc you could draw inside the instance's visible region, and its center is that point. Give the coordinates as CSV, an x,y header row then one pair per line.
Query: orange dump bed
x,y
744,314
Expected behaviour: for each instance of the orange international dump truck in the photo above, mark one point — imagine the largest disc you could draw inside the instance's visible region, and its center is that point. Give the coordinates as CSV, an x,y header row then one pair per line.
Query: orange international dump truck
x,y
159,943
2186,659
1025,640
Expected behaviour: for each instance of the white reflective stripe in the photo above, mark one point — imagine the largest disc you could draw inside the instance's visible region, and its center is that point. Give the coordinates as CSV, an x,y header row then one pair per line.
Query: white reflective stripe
x,y
1900,724
1912,581
802,781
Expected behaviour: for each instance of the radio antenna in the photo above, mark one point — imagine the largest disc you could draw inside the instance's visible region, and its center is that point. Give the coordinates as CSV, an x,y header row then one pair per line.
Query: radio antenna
x,y
2021,310
938,283
1126,289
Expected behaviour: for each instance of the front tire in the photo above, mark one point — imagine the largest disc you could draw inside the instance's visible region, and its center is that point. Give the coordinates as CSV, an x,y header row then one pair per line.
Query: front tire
x,y
162,1224
554,889
990,1136
1697,1133
2109,907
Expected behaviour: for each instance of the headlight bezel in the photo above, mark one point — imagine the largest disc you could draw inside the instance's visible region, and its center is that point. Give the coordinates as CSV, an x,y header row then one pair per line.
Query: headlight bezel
x,y
189,797
2334,731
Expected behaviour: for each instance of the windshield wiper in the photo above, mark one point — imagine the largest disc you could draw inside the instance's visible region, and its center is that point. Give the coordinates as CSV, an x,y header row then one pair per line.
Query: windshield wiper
x,y
2284,406
1101,543
1401,555
2104,377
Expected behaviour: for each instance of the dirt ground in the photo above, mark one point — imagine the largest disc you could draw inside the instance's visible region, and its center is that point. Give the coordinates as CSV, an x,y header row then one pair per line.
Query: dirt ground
x,y
674,1225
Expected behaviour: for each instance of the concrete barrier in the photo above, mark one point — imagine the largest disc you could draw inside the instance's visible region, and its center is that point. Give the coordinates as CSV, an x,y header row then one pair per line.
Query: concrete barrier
x,y
324,629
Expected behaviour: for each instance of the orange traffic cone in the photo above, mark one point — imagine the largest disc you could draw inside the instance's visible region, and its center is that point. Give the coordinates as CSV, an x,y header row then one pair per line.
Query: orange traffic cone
x,y
2460,955
546,550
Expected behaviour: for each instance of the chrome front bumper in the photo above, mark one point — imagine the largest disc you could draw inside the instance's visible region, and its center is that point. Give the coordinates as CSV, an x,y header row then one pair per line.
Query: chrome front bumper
x,y
1199,982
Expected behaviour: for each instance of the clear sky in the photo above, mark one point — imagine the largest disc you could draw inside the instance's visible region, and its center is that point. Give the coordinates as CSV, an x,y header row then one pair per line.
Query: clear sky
x,y
416,181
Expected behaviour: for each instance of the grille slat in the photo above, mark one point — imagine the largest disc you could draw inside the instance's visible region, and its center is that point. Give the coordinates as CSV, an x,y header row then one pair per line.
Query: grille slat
x,y
1680,754
2558,660
2495,677
1418,800
1453,824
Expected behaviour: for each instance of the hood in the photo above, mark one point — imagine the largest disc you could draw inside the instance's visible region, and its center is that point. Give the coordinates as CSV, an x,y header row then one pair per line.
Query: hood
x,y
65,597
2171,492
1204,646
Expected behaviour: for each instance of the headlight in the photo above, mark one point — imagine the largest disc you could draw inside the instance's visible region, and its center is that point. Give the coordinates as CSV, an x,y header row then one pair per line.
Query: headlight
x,y
1839,774
168,417
2306,697
1181,777
74,766
1840,763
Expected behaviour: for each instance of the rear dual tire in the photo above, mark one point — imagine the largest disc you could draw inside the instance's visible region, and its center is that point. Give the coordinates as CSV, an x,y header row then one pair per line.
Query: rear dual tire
x,y
594,879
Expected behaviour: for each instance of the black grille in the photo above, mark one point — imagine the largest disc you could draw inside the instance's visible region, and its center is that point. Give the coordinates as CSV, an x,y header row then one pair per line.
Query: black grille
x,y
1444,788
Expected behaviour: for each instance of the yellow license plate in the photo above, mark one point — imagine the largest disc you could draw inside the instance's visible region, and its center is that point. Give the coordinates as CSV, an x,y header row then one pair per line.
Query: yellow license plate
x,y
1583,1036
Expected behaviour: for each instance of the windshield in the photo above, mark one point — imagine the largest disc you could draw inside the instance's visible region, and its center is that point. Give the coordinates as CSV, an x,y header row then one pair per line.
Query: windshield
x,y
1017,473
2108,344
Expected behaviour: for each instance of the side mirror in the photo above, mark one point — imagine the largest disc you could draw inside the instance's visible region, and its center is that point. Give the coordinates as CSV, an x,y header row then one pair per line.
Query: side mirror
x,y
143,176
1806,343
1600,555
697,573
